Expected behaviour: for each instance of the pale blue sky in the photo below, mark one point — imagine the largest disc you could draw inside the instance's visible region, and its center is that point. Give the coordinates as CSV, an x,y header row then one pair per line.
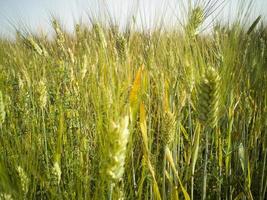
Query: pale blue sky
x,y
35,14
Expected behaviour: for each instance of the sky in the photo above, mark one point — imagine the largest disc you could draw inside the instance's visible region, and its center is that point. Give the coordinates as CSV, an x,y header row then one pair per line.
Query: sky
x,y
35,15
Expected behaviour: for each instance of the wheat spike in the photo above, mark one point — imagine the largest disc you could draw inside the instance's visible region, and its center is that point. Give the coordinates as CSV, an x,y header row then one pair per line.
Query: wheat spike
x,y
208,98
42,92
168,129
35,46
60,38
196,18
100,36
121,47
119,140
56,174
24,180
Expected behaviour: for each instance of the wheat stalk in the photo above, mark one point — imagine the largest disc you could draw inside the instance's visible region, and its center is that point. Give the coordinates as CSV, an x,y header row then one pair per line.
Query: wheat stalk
x,y
208,108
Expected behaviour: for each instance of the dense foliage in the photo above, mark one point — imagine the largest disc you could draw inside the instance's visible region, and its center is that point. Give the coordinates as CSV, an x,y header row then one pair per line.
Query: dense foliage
x,y
109,114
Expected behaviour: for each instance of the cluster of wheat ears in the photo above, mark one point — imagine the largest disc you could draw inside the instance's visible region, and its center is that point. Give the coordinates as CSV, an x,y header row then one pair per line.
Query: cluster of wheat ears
x,y
110,114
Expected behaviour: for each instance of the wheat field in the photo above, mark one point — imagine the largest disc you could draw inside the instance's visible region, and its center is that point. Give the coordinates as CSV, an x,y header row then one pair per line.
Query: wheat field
x,y
110,114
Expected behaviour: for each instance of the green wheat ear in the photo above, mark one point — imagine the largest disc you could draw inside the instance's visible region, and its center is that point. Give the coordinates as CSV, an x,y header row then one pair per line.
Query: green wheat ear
x,y
100,36
121,47
208,98
167,129
24,180
42,94
195,20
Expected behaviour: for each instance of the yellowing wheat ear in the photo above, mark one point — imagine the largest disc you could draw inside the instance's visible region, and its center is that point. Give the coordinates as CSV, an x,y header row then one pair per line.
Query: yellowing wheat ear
x,y
135,92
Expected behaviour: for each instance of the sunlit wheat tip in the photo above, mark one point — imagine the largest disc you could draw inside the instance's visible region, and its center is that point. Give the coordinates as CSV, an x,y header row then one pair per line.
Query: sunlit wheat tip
x,y
4,196
56,173
2,110
119,137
